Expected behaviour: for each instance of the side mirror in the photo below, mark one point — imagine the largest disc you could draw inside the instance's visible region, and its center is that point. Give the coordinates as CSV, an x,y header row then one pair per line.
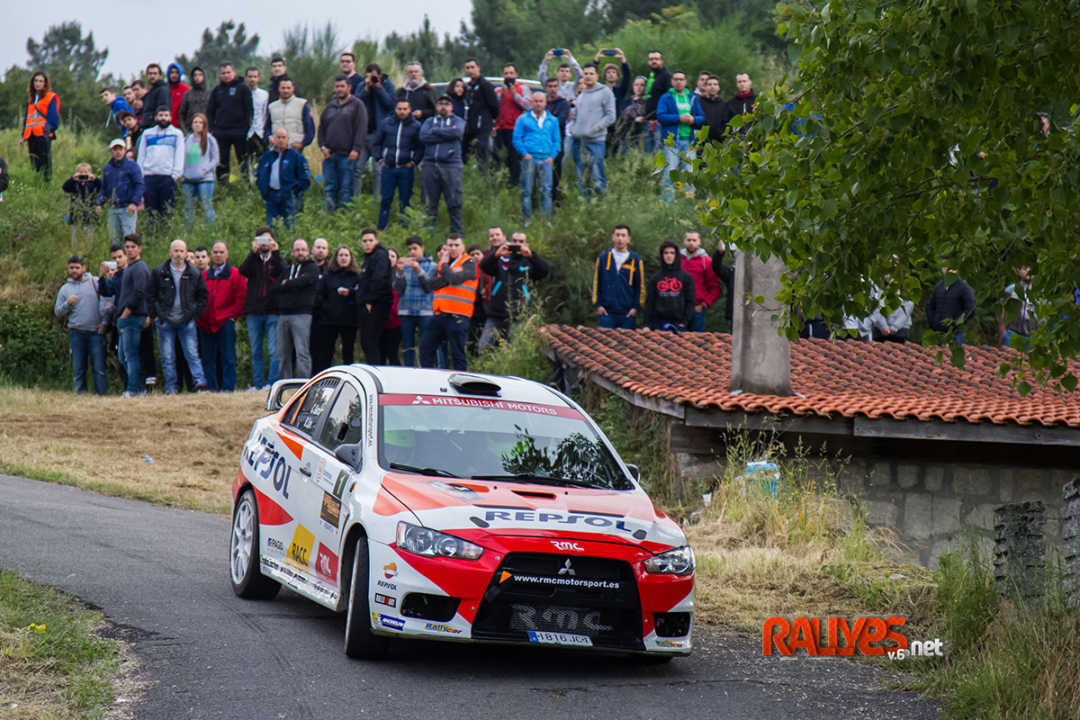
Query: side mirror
x,y
276,398
351,454
635,471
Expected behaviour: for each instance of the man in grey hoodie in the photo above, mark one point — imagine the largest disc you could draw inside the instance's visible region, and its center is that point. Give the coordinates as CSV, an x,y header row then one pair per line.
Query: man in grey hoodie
x,y
79,302
594,113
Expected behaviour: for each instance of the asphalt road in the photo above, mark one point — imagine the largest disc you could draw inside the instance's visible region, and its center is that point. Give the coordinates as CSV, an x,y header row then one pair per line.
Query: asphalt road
x,y
160,574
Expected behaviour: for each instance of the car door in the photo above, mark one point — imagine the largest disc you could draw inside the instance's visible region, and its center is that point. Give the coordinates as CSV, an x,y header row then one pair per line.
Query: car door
x,y
343,425
296,484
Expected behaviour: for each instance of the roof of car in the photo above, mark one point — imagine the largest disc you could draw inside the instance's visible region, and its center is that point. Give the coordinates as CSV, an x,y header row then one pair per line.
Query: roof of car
x,y
422,381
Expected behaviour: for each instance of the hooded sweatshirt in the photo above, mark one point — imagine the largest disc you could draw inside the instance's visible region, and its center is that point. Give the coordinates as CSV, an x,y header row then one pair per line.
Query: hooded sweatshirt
x,y
699,265
84,315
670,293
157,98
161,151
194,101
177,91
593,114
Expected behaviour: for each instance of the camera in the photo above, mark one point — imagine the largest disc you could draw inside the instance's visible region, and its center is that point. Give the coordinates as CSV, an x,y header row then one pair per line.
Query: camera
x,y
111,264
558,51
609,53
515,248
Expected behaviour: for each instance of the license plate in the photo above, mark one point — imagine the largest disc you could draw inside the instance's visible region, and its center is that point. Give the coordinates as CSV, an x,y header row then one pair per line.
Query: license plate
x,y
554,638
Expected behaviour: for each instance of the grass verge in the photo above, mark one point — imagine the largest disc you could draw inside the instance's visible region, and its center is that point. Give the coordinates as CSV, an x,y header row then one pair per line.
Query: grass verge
x,y
103,444
52,664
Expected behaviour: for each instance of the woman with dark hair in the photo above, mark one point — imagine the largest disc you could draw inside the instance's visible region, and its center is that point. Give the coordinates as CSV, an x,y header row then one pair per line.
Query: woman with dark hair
x,y
39,125
390,340
335,307
456,91
201,157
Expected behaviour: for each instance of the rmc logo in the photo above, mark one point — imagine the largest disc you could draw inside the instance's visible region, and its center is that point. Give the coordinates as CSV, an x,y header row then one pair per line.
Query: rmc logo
x,y
567,546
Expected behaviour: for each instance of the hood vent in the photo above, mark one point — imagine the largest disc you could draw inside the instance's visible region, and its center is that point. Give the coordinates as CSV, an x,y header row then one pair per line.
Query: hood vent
x,y
535,494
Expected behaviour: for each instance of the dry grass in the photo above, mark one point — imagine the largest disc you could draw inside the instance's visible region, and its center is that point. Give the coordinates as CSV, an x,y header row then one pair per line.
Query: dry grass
x,y
101,444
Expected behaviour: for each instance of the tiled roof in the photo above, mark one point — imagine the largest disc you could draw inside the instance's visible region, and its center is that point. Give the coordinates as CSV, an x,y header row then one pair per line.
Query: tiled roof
x,y
831,378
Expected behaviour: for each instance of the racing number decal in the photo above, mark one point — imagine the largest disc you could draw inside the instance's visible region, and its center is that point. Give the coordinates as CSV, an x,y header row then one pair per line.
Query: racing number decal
x,y
300,548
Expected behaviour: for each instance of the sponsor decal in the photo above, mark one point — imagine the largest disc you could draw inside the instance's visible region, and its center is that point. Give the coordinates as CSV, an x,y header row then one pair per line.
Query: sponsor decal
x,y
270,464
300,549
837,636
386,585
556,619
339,484
385,600
326,564
442,627
389,570
276,545
671,643
555,638
600,521
331,510
567,546
388,621
485,403
567,580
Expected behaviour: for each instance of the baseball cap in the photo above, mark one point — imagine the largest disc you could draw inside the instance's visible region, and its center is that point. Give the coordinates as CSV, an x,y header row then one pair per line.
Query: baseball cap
x,y
443,97
117,142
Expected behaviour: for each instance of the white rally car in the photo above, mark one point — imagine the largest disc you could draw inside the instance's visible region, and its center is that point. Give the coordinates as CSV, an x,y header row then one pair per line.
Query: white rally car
x,y
433,504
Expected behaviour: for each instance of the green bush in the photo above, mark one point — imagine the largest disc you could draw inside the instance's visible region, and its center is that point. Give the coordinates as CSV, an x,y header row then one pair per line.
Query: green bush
x,y
33,346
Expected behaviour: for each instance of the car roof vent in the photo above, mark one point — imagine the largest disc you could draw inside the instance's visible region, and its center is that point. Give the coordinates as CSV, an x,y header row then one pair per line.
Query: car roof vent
x,y
474,385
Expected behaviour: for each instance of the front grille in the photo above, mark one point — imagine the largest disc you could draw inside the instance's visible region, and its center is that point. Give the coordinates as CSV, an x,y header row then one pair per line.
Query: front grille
x,y
596,597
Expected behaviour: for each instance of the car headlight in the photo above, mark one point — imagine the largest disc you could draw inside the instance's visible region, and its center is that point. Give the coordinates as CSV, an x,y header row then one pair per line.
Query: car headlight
x,y
679,561
432,543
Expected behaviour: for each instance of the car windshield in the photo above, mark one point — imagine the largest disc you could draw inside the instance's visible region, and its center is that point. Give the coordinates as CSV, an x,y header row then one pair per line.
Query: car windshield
x,y
490,439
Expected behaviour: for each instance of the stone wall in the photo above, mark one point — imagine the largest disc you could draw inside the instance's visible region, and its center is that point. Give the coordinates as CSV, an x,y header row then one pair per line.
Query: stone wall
x,y
936,495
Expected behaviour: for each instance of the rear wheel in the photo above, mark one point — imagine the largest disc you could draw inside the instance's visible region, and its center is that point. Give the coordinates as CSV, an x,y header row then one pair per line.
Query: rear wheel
x,y
360,642
244,574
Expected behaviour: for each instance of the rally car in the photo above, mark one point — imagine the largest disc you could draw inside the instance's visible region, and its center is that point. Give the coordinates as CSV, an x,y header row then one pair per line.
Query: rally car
x,y
454,506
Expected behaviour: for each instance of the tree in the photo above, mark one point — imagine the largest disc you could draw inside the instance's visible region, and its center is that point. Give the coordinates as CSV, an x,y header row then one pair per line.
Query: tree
x,y
521,31
64,47
312,59
441,59
845,173
229,44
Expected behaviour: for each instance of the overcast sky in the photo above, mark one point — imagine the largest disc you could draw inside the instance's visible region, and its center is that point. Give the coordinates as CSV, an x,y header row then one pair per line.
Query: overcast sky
x,y
137,32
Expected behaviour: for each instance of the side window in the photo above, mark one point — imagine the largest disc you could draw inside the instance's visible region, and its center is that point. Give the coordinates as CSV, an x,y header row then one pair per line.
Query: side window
x,y
305,412
345,422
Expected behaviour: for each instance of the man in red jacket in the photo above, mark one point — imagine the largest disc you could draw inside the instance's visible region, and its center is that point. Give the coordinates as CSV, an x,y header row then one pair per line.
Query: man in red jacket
x,y
217,325
513,101
697,262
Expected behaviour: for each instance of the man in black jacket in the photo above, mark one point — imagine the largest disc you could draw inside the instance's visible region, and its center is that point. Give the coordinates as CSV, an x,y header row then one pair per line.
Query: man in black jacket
x,y
264,269
156,98
658,83
950,306
230,111
177,295
743,102
726,273
417,91
483,108
295,300
715,109
512,266
670,293
376,295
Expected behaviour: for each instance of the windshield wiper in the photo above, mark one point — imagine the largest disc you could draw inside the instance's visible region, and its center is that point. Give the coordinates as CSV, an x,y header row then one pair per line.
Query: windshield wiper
x,y
539,480
439,472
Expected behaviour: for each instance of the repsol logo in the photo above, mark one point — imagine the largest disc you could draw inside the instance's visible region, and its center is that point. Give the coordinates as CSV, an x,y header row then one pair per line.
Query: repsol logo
x,y
555,518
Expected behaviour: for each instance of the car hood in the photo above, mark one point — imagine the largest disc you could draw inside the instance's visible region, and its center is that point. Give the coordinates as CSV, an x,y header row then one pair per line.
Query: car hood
x,y
511,508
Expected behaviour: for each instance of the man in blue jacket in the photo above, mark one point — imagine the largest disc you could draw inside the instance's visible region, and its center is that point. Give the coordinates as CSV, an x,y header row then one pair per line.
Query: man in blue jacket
x,y
122,187
618,285
397,149
538,140
377,94
282,172
441,171
680,116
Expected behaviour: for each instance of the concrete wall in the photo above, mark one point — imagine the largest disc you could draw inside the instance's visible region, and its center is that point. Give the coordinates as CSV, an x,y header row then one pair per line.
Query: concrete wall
x,y
934,495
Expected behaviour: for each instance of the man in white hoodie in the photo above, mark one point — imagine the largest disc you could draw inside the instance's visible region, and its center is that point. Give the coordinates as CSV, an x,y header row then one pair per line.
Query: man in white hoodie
x,y
161,159
593,114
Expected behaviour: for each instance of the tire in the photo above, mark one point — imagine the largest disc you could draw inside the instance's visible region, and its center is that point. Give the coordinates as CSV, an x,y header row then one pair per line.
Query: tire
x,y
360,642
244,574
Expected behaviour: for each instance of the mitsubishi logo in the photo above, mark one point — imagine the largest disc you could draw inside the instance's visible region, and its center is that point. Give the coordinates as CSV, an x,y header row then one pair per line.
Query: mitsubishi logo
x,y
566,569
421,401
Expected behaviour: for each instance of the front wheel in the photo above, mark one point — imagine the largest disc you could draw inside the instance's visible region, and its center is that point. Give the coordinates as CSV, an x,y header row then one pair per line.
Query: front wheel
x,y
244,574
360,642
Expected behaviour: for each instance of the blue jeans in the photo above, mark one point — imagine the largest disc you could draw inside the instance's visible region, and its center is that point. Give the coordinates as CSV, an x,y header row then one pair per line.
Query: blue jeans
x,y
281,204
167,333
445,327
411,326
120,223
204,191
530,169
87,346
262,327
614,322
220,346
130,329
1021,343
337,174
697,323
401,179
594,157
677,156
